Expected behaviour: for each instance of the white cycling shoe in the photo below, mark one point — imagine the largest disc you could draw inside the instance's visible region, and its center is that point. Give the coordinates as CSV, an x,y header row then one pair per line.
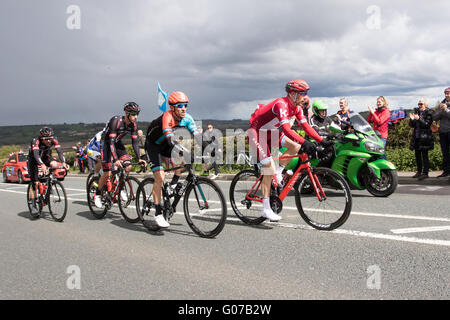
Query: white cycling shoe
x,y
269,214
98,201
161,222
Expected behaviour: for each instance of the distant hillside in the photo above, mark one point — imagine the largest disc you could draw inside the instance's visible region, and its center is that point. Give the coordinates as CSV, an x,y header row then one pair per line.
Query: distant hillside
x,y
70,134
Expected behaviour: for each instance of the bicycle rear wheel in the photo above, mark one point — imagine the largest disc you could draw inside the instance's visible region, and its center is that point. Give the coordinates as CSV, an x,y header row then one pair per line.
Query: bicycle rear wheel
x,y
334,209
57,201
88,180
248,210
205,208
99,213
145,206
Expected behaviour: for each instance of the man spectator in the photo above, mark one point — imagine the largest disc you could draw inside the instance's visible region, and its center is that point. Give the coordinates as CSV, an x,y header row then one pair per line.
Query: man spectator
x,y
90,162
141,139
345,112
209,139
81,156
442,114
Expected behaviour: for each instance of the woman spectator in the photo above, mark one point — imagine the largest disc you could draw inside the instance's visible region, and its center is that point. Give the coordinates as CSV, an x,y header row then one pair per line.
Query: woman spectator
x,y
422,139
380,118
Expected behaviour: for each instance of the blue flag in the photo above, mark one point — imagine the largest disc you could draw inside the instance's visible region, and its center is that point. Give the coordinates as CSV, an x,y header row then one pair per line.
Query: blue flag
x,y
162,99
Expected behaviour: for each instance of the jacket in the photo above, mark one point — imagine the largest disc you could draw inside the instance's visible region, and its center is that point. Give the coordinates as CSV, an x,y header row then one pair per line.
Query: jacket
x,y
443,117
380,119
422,137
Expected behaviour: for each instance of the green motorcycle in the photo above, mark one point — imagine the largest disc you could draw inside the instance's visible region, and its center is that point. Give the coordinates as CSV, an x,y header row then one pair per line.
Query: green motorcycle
x,y
357,157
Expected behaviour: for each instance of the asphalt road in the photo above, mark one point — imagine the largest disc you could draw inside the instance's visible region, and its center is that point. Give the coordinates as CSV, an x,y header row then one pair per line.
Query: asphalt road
x,y
394,248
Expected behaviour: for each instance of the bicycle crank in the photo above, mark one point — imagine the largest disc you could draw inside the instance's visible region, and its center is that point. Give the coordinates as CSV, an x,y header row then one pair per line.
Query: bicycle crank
x,y
276,204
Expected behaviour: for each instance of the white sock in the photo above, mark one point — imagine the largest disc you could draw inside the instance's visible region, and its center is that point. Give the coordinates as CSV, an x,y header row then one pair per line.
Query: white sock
x,y
266,203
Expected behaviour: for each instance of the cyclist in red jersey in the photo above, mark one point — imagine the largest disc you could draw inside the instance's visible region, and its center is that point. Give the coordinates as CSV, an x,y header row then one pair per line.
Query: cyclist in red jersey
x,y
274,116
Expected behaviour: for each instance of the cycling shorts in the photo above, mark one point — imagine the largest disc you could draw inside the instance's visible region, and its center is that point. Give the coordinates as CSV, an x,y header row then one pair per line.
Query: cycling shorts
x,y
33,167
260,141
154,153
106,155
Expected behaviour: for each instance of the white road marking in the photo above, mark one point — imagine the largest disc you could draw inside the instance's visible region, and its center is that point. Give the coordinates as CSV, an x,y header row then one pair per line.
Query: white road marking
x,y
427,188
420,229
341,231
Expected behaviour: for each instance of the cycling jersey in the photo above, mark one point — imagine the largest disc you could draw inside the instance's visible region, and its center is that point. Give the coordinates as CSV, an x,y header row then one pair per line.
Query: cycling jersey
x,y
275,115
95,146
161,129
111,142
38,151
159,138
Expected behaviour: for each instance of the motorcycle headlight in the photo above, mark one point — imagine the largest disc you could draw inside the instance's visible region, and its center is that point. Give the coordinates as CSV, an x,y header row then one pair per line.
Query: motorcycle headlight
x,y
373,147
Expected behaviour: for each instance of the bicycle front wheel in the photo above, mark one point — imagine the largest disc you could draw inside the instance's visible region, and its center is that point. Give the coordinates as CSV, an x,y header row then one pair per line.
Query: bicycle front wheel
x,y
99,213
127,199
38,201
145,205
335,205
57,201
244,204
205,208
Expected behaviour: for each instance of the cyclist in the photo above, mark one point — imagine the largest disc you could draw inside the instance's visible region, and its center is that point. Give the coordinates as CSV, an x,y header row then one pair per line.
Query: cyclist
x,y
40,156
112,149
94,151
160,143
320,121
275,115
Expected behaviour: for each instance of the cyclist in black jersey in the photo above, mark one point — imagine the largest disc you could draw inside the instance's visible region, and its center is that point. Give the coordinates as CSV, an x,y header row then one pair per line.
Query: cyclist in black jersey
x,y
40,156
113,150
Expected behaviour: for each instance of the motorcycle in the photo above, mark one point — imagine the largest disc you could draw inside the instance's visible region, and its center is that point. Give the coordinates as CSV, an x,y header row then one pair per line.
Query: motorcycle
x,y
357,156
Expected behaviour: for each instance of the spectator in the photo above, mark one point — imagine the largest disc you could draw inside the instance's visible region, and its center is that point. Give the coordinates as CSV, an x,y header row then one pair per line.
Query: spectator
x,y
345,112
81,156
209,139
90,162
380,119
442,114
422,139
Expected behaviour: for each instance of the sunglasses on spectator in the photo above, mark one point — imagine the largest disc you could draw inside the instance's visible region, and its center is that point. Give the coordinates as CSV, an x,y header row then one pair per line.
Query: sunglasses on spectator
x,y
180,105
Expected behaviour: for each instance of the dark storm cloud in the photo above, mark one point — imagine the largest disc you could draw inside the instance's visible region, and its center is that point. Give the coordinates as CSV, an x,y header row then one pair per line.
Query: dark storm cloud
x,y
222,53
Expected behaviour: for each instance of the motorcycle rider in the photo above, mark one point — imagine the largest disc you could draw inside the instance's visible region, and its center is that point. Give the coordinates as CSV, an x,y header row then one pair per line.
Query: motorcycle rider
x,y
320,121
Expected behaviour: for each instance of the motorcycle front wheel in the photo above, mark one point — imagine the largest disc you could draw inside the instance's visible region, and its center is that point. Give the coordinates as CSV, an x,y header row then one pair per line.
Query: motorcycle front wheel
x,y
383,187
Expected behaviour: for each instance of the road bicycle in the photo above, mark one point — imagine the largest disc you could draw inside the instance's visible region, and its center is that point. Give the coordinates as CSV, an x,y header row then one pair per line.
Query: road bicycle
x,y
119,189
204,205
322,196
51,193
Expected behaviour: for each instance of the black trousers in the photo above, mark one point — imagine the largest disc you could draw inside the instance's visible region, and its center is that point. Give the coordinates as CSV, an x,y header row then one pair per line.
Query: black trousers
x,y
422,160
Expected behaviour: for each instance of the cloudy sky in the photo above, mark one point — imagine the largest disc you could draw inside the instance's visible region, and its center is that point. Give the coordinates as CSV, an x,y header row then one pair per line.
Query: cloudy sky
x,y
226,55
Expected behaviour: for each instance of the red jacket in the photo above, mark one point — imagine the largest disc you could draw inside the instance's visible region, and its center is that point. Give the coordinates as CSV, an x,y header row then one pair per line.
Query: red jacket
x,y
380,120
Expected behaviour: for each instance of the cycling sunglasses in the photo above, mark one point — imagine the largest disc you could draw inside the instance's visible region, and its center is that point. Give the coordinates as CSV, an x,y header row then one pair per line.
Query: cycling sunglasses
x,y
180,105
133,113
303,94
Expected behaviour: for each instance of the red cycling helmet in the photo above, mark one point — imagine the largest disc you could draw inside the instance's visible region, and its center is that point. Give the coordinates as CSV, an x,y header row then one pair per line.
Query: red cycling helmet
x,y
177,97
297,85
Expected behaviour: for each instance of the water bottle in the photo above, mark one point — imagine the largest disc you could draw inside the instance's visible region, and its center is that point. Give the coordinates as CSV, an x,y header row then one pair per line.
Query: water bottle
x,y
287,177
109,186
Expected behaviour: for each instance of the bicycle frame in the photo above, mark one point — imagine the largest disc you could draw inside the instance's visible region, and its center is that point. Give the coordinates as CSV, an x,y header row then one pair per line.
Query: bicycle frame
x,y
302,166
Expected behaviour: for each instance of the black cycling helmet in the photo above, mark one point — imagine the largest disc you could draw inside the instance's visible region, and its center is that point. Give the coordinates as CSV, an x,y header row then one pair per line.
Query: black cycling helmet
x,y
46,132
132,107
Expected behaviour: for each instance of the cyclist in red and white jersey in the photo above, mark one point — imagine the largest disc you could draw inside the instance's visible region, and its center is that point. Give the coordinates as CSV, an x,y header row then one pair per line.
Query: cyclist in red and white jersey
x,y
274,116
